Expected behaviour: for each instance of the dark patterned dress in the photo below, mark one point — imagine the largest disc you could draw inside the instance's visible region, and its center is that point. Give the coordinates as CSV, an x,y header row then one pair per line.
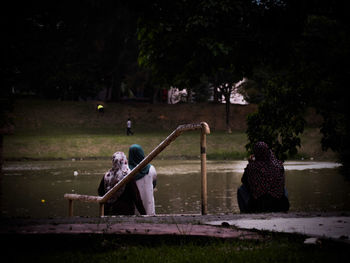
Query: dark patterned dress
x,y
263,188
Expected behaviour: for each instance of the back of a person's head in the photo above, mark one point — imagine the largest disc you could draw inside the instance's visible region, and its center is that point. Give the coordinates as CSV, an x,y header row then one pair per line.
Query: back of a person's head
x,y
261,151
136,154
119,159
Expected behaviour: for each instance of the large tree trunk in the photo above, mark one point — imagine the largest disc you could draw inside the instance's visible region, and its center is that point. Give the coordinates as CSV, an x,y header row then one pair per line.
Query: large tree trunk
x,y
116,91
155,95
109,90
227,100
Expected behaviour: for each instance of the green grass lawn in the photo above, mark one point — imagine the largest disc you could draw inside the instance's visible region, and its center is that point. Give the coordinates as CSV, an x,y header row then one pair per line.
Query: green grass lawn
x,y
65,146
220,145
114,248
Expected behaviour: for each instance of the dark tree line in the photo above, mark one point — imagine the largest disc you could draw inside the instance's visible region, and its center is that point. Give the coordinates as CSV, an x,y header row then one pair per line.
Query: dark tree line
x,y
69,49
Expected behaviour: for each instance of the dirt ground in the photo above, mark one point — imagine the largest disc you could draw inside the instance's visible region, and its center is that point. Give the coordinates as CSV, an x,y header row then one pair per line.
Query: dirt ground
x,y
169,116
50,115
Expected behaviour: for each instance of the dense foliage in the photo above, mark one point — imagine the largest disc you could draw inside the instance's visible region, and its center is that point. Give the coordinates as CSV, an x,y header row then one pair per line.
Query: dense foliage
x,y
183,42
68,49
296,53
314,75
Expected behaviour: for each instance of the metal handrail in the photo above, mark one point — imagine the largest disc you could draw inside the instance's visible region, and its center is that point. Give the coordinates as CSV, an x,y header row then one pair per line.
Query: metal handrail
x,y
203,126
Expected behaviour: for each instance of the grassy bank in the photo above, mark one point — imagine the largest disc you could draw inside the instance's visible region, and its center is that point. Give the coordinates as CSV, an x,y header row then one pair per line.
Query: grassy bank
x,y
106,248
65,130
66,146
220,145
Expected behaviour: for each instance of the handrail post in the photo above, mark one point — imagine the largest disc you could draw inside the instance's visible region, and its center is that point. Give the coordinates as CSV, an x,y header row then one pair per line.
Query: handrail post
x,y
203,146
102,209
70,207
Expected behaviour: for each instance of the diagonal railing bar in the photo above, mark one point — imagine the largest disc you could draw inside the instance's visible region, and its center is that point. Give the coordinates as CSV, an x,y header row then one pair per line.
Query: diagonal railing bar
x,y
203,126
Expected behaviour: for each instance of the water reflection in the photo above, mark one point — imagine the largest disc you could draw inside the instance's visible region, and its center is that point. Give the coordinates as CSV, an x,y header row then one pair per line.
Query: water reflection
x,y
36,189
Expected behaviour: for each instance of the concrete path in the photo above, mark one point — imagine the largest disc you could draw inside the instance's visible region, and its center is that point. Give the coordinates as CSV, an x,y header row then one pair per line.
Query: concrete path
x,y
335,227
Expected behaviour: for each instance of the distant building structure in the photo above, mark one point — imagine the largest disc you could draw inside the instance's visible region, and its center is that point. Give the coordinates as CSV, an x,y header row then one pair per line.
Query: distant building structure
x,y
175,95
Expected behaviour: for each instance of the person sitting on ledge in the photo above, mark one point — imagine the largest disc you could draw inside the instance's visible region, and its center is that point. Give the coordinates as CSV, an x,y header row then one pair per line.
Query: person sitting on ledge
x,y
146,179
263,183
127,198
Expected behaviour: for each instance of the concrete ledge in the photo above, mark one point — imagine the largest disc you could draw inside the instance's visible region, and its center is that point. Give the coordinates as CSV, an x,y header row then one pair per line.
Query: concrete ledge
x,y
241,226
134,229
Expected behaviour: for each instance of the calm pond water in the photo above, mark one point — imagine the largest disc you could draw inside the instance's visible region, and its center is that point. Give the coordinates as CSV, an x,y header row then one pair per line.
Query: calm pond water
x,y
36,189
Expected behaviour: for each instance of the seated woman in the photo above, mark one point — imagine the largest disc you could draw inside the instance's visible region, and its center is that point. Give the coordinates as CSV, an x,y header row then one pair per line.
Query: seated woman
x,y
145,179
263,188
125,199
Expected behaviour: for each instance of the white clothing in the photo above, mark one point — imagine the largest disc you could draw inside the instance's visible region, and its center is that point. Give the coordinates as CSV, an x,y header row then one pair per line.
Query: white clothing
x,y
145,186
128,124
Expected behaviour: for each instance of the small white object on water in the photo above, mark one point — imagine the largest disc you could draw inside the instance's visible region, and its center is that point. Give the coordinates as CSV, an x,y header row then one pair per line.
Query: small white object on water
x,y
311,241
76,173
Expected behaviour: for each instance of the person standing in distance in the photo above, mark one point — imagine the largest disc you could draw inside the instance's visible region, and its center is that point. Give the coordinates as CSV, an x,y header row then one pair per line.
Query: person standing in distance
x,y
128,128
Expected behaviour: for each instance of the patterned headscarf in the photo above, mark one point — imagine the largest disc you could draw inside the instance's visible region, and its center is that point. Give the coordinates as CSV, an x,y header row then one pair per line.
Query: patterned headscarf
x,y
266,173
136,155
119,170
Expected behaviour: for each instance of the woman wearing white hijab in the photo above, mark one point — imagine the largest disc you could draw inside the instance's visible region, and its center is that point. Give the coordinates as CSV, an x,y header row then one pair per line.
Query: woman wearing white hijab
x,y
126,199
